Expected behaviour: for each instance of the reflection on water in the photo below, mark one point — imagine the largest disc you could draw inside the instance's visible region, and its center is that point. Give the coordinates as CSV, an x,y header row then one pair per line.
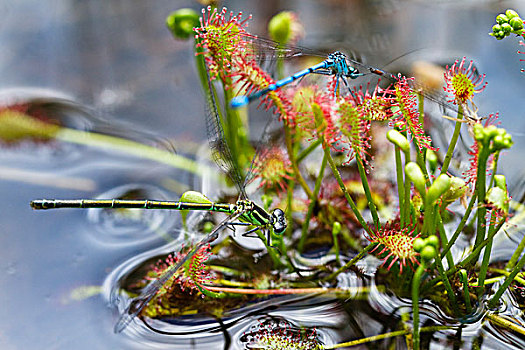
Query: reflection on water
x,y
119,58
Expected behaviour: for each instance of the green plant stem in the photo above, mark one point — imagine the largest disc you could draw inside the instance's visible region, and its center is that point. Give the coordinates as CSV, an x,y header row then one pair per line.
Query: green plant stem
x,y
473,257
288,291
400,184
494,168
450,293
289,206
133,148
311,206
383,336
235,133
453,141
429,219
506,273
443,238
306,152
201,65
495,299
481,191
416,283
272,252
350,263
421,109
515,256
337,175
297,173
470,259
421,155
368,193
420,160
486,256
493,280
336,246
504,322
409,214
461,224
466,293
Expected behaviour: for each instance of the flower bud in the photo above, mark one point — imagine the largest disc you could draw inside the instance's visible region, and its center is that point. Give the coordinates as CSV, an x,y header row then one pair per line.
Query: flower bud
x,y
182,22
433,241
432,160
511,14
398,139
456,190
498,198
284,27
428,253
414,173
438,187
419,244
506,28
516,23
500,181
501,18
336,228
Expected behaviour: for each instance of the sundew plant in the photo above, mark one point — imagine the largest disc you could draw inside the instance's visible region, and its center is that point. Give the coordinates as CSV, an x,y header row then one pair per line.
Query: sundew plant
x,y
323,170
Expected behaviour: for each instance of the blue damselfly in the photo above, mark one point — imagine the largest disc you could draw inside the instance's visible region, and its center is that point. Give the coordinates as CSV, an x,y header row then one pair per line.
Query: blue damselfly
x,y
336,64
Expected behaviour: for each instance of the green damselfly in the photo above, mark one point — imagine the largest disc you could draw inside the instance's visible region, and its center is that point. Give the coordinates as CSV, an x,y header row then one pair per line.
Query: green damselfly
x,y
243,213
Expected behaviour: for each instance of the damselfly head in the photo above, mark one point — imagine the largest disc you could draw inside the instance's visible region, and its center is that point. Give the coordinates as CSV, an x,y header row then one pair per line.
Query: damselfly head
x,y
336,56
279,221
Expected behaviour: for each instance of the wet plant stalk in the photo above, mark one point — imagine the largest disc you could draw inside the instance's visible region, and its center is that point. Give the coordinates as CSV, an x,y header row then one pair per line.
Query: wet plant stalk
x,y
305,152
366,188
515,256
341,184
351,262
271,251
297,173
383,336
495,299
311,206
461,224
466,293
443,239
481,191
505,273
486,256
400,185
453,141
504,322
129,147
450,293
416,283
469,260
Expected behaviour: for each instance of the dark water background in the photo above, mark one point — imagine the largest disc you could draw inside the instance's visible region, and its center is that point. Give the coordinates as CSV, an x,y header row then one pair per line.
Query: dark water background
x,y
117,58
